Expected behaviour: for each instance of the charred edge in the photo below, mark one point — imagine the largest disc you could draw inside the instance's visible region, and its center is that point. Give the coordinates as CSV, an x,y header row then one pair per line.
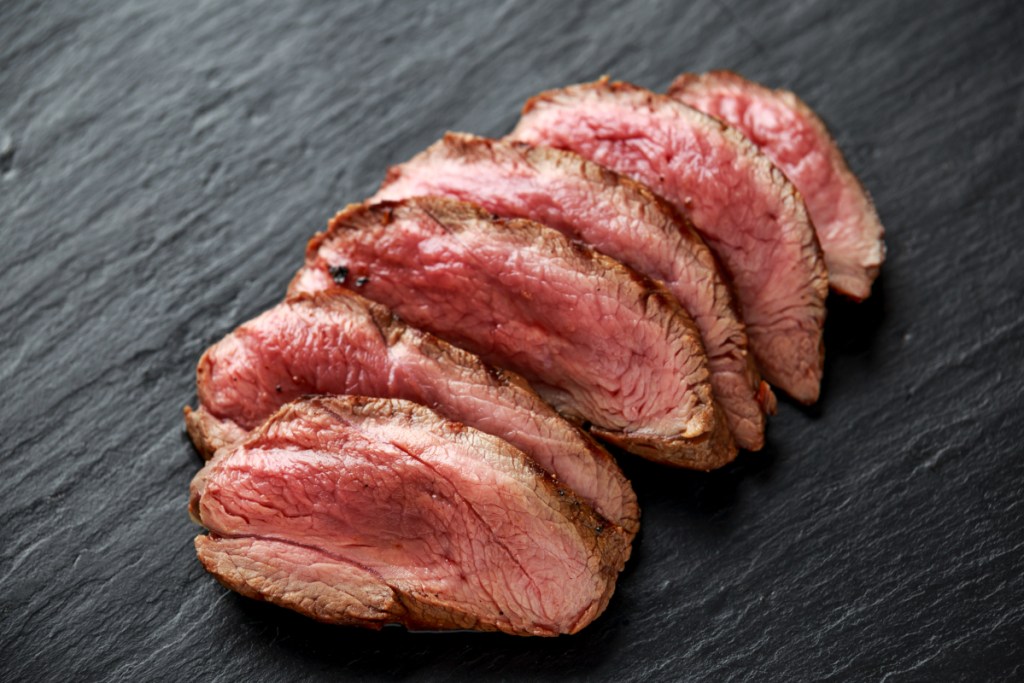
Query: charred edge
x,y
338,273
766,398
316,241
700,456
497,374
343,219
466,145
388,325
524,148
392,175
450,215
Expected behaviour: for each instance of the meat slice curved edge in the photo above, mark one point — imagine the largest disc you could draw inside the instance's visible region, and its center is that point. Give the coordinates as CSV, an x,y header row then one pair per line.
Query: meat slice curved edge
x,y
368,511
749,213
796,139
618,217
599,342
341,343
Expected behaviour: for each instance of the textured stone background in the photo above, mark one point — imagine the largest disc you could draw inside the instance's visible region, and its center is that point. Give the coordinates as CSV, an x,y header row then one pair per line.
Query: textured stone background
x,y
162,164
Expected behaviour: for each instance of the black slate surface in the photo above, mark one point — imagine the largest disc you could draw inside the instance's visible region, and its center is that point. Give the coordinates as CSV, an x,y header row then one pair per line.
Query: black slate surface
x,y
162,164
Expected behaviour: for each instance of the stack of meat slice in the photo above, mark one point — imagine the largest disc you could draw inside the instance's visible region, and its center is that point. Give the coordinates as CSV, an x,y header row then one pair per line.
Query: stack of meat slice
x,y
795,139
407,437
618,217
599,342
340,343
369,511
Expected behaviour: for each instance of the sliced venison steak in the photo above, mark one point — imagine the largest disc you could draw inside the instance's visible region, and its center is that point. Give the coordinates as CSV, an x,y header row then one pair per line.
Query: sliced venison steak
x,y
797,141
618,217
368,511
601,343
750,215
341,343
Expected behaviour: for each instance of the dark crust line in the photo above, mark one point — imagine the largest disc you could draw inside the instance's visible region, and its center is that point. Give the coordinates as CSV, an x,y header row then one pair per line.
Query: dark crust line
x,y
683,82
715,444
791,194
589,524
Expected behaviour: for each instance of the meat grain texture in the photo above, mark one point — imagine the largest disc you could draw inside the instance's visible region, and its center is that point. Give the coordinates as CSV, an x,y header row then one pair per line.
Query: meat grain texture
x,y
751,216
599,342
797,141
618,217
368,511
342,343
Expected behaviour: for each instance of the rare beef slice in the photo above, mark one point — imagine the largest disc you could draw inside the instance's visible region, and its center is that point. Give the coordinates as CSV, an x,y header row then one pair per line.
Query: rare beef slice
x,y
365,511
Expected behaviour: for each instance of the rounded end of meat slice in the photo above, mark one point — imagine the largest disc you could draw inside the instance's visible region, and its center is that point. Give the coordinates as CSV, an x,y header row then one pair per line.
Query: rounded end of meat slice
x,y
369,511
208,433
713,449
300,579
795,138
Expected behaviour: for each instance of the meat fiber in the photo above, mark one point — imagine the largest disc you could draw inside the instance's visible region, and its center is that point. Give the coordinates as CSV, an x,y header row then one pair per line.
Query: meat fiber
x,y
750,215
340,343
369,511
599,342
796,140
618,217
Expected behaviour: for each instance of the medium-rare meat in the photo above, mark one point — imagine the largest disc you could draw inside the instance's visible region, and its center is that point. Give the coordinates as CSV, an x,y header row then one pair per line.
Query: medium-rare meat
x,y
750,215
617,216
796,140
341,343
601,343
369,511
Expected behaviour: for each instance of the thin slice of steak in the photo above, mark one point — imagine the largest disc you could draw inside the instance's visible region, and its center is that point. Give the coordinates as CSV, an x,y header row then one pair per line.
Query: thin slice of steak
x,y
368,511
341,343
618,217
750,215
601,343
797,141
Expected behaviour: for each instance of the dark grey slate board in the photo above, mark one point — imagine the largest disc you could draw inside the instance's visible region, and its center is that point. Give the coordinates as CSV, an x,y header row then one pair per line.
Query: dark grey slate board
x,y
162,164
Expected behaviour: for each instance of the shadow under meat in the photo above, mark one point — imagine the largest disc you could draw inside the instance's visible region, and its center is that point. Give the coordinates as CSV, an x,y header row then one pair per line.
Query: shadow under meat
x,y
395,652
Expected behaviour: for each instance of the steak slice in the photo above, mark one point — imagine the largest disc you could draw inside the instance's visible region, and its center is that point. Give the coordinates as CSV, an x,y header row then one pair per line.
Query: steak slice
x,y
341,343
599,342
368,511
618,217
750,215
796,140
